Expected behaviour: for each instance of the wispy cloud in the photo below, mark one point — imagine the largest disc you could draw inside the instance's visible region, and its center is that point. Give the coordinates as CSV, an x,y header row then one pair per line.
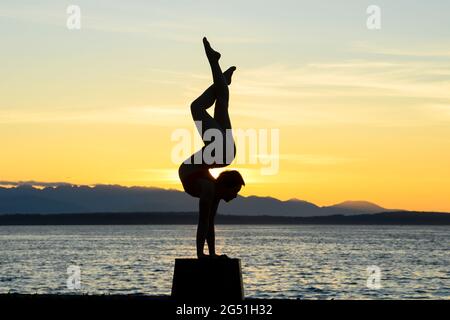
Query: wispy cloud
x,y
351,78
165,27
154,115
309,159
34,183
334,92
402,52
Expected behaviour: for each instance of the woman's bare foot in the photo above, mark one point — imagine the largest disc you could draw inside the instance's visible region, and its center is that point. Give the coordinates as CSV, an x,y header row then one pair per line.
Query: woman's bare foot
x,y
228,74
210,52
216,256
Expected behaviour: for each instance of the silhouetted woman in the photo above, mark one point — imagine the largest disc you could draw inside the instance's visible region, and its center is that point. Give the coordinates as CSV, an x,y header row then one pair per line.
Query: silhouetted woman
x,y
194,171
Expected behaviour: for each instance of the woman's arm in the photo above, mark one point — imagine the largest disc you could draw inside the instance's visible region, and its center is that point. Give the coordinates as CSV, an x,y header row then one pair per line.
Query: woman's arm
x,y
205,205
211,234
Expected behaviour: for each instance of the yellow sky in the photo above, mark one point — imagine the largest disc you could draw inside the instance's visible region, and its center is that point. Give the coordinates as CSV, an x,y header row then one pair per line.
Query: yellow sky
x,y
361,116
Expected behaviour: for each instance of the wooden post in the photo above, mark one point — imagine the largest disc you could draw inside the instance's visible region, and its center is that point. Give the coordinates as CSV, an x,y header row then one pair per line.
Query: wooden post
x,y
207,280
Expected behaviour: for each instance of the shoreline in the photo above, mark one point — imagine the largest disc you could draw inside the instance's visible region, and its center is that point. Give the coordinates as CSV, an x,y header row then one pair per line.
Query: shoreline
x,y
190,218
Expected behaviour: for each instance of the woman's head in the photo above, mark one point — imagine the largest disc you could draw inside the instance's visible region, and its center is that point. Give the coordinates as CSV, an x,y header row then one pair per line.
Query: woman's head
x,y
230,183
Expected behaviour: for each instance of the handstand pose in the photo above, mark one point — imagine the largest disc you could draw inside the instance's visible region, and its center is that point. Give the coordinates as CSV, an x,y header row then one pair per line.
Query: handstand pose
x,y
195,177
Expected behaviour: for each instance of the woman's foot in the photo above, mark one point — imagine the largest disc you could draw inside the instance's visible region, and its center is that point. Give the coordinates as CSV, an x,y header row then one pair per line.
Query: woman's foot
x,y
202,256
212,256
210,52
228,74
216,256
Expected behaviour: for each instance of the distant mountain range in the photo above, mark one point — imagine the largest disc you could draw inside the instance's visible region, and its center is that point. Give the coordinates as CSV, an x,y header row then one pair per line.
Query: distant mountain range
x,y
112,198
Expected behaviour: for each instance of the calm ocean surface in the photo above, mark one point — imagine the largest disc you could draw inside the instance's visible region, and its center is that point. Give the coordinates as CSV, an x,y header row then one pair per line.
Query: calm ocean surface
x,y
306,262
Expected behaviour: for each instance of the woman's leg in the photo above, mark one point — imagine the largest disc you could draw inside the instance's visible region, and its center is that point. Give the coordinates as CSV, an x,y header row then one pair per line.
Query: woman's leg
x,y
221,115
219,93
220,84
205,101
201,116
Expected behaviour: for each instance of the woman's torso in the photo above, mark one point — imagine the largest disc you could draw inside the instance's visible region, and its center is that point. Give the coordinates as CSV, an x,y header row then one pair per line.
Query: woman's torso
x,y
190,175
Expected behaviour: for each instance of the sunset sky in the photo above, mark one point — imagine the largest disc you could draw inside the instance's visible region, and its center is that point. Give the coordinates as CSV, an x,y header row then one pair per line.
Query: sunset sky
x,y
362,114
